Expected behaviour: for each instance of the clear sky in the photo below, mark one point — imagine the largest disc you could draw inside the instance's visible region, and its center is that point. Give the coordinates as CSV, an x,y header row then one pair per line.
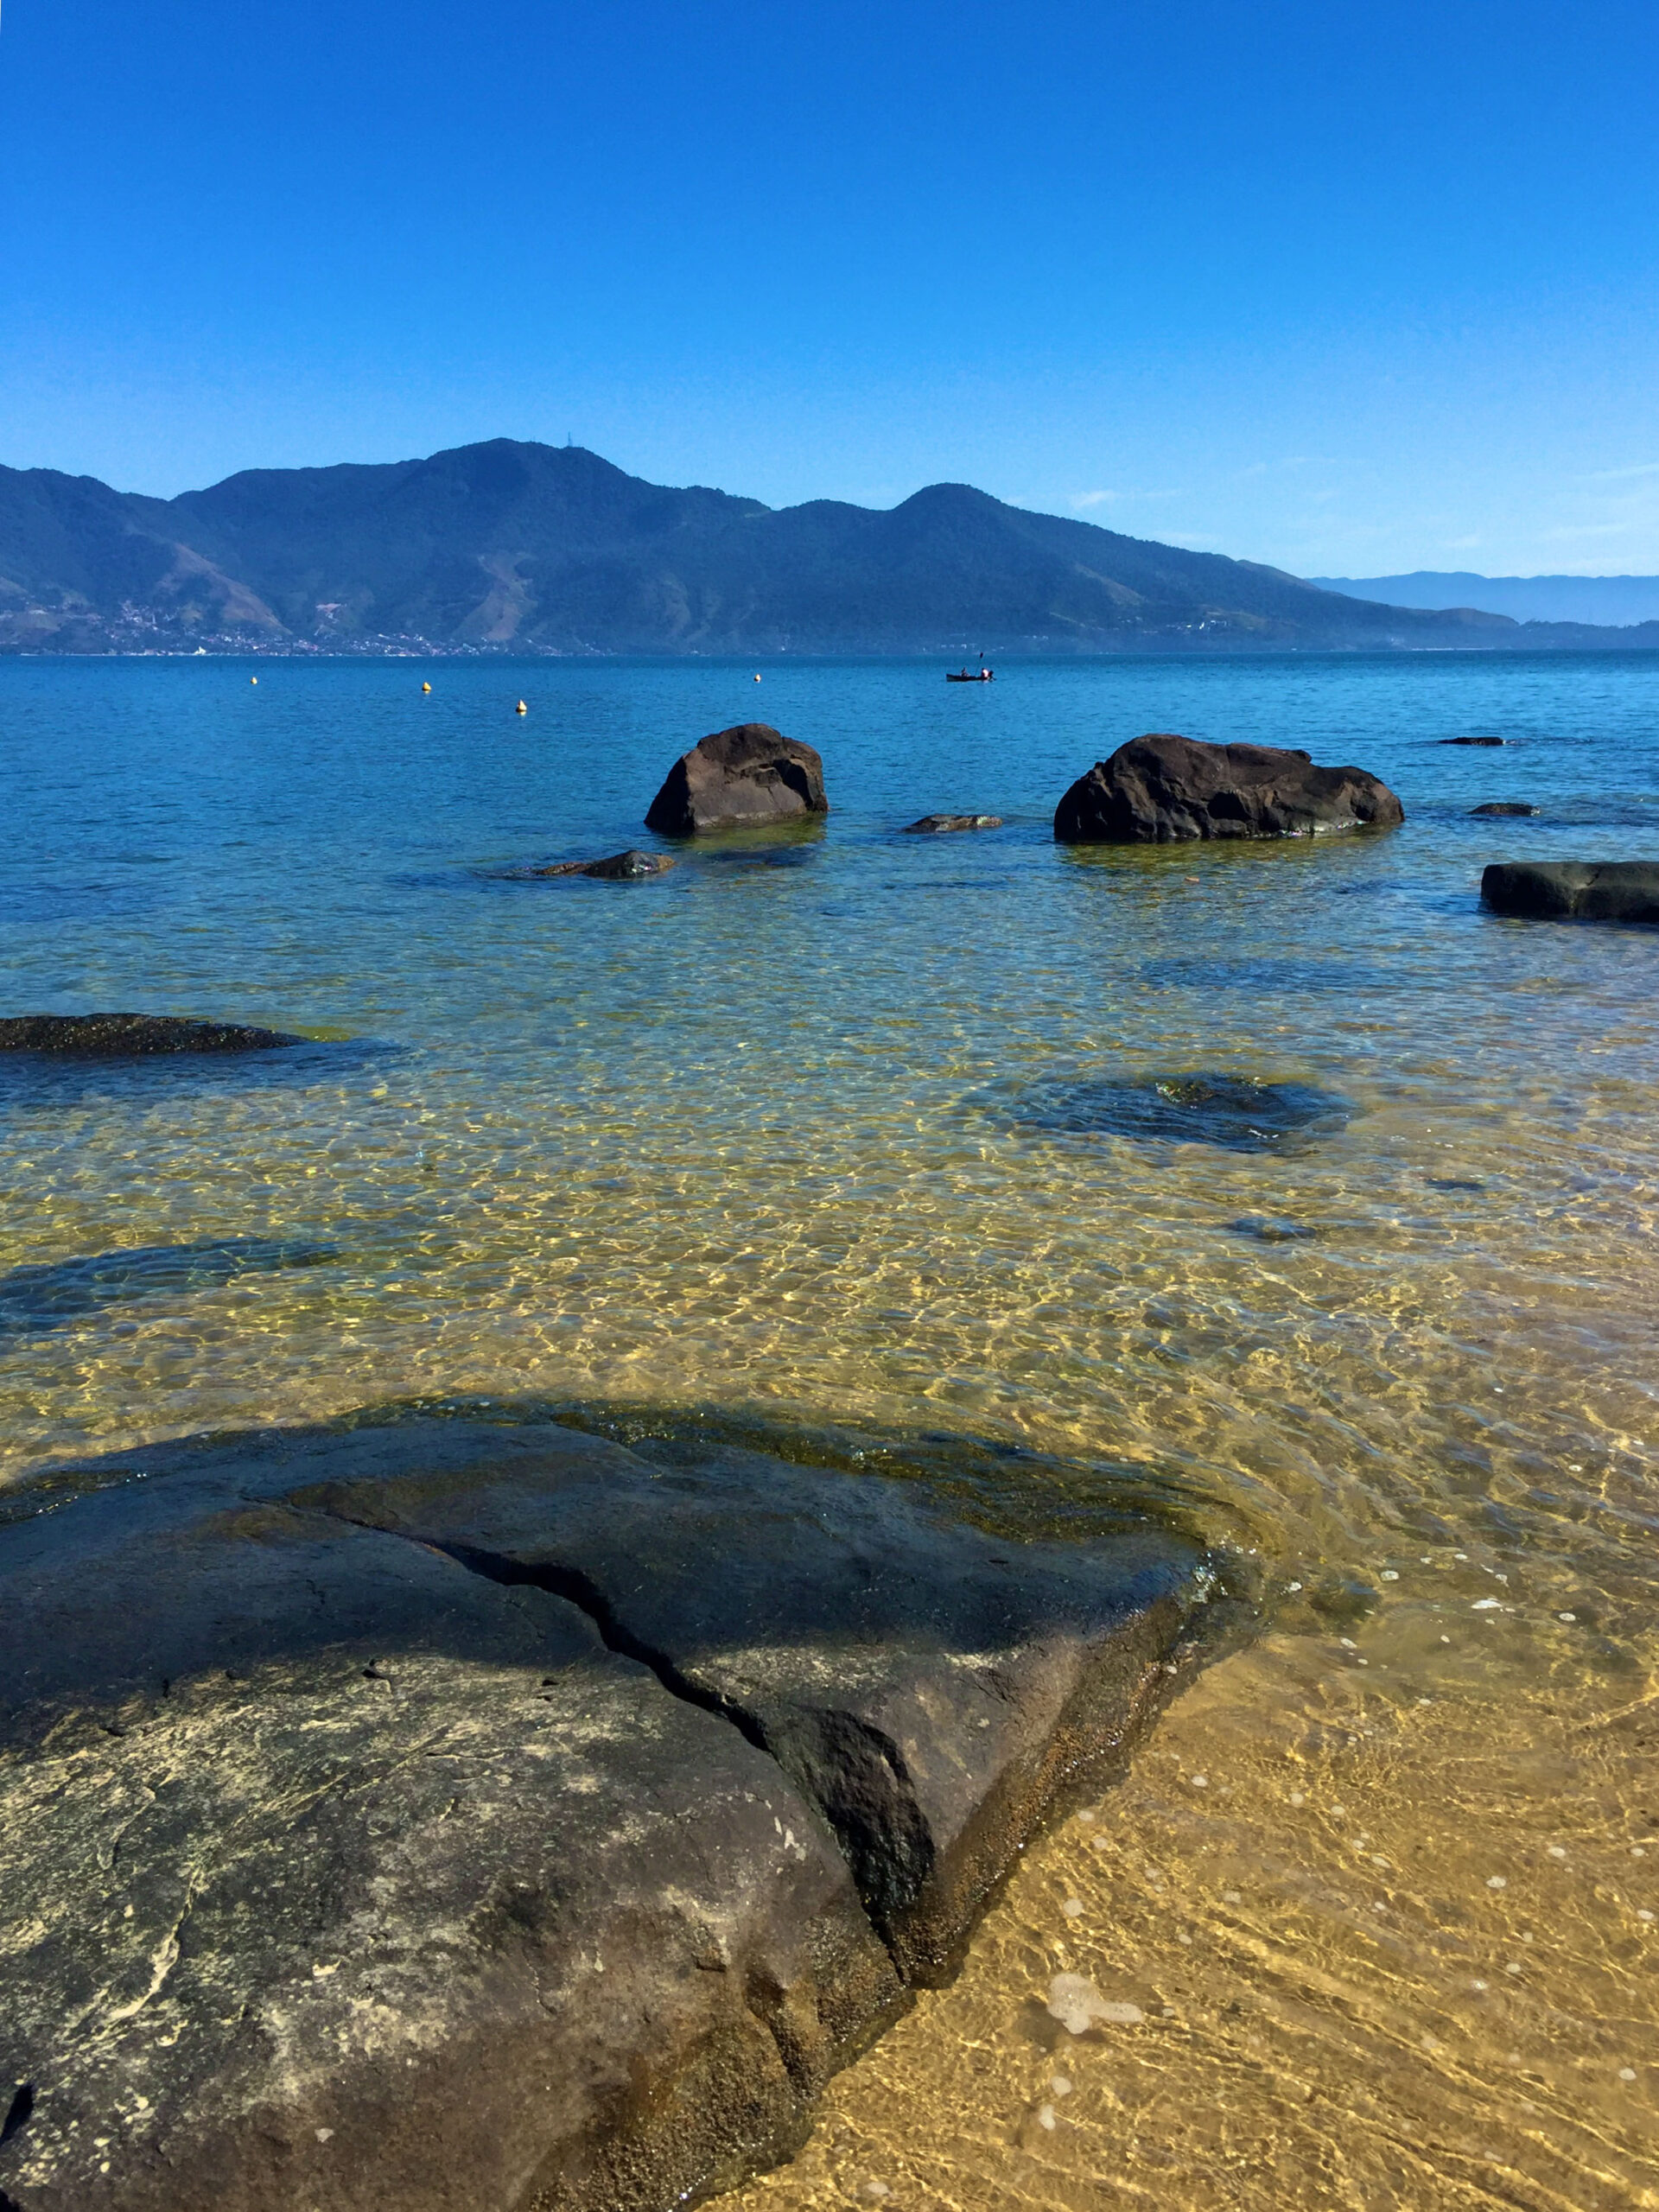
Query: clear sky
x,y
1349,288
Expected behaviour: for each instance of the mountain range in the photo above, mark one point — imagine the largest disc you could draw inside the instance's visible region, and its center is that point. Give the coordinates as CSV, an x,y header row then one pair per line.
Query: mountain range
x,y
507,546
1624,599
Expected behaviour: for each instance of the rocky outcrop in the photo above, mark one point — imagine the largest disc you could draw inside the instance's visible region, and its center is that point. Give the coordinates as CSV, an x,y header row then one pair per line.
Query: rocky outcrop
x,y
125,1036
1573,891
1503,807
940,825
441,1815
620,867
739,778
1163,789
1474,741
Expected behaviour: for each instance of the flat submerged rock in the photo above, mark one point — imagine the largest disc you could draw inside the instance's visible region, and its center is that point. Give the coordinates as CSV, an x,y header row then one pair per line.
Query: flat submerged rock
x,y
127,1036
1235,1113
617,867
1573,891
442,1815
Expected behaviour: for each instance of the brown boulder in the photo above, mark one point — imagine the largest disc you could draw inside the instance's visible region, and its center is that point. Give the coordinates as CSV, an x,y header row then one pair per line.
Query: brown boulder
x,y
1163,789
748,775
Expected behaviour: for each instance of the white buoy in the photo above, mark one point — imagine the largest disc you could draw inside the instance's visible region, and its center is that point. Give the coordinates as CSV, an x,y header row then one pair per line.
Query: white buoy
x,y
521,708
253,679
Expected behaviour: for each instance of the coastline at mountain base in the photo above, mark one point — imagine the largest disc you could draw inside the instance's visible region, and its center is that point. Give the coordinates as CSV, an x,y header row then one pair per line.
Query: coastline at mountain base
x,y
512,547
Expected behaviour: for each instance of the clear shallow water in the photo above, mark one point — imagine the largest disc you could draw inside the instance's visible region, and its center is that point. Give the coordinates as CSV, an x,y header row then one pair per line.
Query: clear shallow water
x,y
775,1134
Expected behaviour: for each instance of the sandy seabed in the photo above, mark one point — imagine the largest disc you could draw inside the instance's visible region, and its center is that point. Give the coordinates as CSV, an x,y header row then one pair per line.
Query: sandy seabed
x,y
1388,1916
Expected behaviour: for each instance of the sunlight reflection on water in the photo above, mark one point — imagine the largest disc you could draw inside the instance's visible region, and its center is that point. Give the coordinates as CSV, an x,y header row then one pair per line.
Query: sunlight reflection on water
x,y
750,1136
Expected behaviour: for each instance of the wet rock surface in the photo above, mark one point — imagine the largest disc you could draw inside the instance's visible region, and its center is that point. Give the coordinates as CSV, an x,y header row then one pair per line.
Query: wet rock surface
x,y
743,776
619,867
1163,789
1236,1113
941,825
1473,740
1573,891
443,1815
126,1036
1503,807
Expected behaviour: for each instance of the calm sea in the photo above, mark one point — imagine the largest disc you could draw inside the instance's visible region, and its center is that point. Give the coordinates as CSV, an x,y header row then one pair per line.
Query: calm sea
x,y
792,1136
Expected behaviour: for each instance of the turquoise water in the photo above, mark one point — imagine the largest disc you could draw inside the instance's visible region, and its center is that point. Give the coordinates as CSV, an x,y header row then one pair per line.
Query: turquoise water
x,y
767,1135
806,1136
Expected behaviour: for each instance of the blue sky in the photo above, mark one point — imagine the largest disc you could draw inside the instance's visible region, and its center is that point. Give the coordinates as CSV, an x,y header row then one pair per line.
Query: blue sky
x,y
1351,289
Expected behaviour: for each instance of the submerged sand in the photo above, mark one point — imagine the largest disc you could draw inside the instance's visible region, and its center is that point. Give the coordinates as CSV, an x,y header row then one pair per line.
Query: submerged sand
x,y
1390,1928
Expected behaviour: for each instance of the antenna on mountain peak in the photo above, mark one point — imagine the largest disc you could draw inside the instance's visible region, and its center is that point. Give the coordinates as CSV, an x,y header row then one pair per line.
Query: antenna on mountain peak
x,y
569,439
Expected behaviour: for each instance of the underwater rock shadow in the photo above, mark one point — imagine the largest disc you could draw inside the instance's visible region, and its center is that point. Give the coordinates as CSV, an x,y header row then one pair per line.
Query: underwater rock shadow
x,y
1233,1113
43,1080
1270,975
37,1299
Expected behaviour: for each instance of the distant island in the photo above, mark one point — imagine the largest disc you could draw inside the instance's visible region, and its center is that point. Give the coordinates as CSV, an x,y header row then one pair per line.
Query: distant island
x,y
509,547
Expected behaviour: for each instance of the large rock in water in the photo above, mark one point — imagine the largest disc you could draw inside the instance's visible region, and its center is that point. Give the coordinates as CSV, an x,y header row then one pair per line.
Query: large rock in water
x,y
123,1036
488,1819
1573,891
736,778
1162,790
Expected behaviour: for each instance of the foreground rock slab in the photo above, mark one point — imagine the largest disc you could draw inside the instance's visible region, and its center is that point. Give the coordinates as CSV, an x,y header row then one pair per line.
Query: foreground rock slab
x,y
440,1815
1573,891
125,1036
739,777
941,825
1165,790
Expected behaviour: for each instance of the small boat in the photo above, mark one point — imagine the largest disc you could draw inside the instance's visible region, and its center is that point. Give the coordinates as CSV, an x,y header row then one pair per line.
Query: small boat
x,y
966,676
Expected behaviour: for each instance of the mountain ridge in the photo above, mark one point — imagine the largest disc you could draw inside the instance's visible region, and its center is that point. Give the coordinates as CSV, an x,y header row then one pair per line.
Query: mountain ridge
x,y
1611,602
510,546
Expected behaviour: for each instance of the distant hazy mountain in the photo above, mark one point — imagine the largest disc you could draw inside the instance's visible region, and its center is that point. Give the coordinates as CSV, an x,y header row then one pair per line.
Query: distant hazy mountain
x,y
1525,599
512,547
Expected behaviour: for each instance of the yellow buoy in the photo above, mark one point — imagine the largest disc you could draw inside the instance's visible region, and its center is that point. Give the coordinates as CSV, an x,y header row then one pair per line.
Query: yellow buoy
x,y
426,687
521,708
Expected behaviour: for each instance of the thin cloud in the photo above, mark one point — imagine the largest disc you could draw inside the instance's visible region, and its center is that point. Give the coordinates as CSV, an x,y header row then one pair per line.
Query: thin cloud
x,y
1111,499
1290,461
1623,475
1590,530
